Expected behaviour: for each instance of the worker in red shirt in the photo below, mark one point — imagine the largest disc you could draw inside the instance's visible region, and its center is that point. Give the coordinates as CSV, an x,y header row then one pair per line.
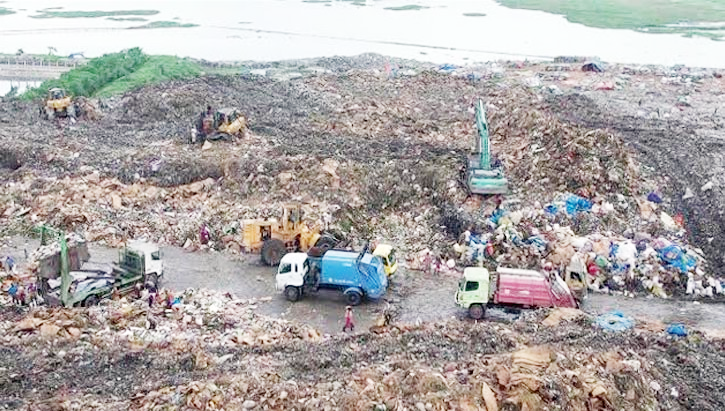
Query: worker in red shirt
x,y
348,320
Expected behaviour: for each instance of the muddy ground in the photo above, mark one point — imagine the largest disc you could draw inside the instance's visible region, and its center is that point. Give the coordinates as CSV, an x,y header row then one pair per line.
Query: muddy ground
x,y
416,295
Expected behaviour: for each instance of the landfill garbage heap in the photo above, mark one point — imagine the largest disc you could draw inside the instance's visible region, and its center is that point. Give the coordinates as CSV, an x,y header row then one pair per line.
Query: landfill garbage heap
x,y
206,350
371,155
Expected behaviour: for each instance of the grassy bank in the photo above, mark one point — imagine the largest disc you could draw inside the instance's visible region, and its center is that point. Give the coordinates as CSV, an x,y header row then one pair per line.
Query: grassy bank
x,y
47,14
118,72
659,16
164,25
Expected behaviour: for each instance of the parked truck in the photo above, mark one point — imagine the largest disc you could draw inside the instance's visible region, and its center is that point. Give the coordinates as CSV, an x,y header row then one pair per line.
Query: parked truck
x,y
478,289
63,281
356,275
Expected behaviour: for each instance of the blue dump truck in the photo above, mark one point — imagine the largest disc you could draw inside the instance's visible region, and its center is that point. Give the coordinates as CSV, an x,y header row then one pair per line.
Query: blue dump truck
x,y
356,275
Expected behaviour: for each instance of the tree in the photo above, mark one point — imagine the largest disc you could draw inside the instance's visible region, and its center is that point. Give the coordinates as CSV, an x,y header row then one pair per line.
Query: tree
x,y
52,50
20,52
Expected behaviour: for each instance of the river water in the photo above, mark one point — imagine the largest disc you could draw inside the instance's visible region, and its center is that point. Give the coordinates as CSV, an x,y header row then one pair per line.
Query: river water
x,y
270,30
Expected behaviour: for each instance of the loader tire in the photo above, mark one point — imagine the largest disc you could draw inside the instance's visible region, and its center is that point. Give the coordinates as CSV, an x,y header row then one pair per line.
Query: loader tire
x,y
50,114
70,112
272,251
326,242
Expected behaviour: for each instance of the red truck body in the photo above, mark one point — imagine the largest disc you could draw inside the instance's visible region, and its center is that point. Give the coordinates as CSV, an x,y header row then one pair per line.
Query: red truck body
x,y
511,287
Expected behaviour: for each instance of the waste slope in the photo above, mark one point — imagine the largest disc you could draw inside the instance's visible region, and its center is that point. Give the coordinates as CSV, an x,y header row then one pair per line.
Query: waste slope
x,y
212,351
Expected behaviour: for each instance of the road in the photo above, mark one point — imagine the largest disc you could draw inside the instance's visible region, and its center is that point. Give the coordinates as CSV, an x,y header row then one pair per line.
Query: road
x,y
419,296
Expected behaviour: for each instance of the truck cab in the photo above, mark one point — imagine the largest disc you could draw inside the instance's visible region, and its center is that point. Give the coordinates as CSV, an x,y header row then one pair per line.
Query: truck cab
x,y
387,254
511,287
142,257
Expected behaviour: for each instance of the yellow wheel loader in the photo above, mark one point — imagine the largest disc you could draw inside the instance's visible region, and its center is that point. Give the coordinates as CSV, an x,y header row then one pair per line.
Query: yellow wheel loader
x,y
273,239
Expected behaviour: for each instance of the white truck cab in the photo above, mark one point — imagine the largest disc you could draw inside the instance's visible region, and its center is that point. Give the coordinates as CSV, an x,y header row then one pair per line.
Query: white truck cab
x,y
153,264
292,270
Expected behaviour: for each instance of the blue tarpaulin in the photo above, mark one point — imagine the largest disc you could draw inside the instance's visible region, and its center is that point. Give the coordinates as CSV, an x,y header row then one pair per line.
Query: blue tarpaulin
x,y
614,321
677,329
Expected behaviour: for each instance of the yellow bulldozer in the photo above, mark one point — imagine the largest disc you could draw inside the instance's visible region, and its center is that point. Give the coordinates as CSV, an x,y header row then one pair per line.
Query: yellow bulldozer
x,y
219,124
59,104
273,239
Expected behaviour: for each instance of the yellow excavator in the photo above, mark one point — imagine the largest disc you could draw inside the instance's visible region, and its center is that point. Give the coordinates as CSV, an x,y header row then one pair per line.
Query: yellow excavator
x,y
59,104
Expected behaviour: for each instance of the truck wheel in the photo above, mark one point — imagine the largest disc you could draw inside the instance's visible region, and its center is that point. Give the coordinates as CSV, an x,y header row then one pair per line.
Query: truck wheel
x,y
353,298
272,251
90,300
326,242
476,311
292,293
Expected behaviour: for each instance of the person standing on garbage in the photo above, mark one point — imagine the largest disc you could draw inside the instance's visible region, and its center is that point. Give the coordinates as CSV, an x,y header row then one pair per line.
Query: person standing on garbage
x,y
348,320
9,264
204,234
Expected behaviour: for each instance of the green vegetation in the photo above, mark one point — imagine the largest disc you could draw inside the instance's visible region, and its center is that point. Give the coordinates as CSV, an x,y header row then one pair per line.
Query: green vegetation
x,y
155,70
656,16
5,11
164,25
126,18
117,73
408,7
46,14
474,14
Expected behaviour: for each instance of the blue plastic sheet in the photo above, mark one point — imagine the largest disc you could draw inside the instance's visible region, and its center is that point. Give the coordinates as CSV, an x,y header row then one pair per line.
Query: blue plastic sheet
x,y
551,209
614,321
677,329
497,216
613,248
653,197
576,204
673,256
447,68
537,242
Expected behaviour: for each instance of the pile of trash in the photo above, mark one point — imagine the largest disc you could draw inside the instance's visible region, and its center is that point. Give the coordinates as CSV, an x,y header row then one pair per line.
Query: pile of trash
x,y
581,239
185,320
436,366
372,156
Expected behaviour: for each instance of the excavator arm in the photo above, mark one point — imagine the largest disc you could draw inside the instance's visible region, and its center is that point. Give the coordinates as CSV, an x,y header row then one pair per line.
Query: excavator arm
x,y
483,148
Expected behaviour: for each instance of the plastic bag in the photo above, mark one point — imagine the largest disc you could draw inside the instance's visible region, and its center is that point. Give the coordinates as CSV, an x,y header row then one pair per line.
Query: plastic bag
x,y
576,204
677,329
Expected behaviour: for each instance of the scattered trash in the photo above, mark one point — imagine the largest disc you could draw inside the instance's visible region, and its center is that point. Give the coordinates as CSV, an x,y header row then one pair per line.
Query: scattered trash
x,y
614,321
594,66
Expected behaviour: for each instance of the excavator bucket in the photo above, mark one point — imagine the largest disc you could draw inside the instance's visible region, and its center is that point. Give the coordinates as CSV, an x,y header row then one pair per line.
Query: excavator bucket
x,y
482,176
